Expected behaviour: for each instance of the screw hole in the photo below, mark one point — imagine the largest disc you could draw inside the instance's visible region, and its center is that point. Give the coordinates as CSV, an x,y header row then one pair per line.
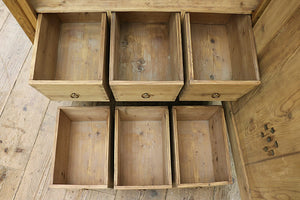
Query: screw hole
x,y
74,95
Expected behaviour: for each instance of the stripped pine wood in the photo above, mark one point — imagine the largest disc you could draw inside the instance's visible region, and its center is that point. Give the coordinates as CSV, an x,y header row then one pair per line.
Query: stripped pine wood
x,y
17,133
267,119
4,12
21,16
12,54
29,177
272,20
217,6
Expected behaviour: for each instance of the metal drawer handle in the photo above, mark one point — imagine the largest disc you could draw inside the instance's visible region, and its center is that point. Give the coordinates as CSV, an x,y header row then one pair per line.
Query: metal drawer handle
x,y
145,95
215,95
74,95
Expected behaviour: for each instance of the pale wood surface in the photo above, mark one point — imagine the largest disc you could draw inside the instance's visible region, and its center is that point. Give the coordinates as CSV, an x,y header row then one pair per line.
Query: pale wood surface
x,y
25,16
219,56
267,119
32,118
218,6
145,48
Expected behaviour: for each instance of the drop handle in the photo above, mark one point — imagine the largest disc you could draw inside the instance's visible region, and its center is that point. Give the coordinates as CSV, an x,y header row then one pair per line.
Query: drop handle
x,y
74,95
146,95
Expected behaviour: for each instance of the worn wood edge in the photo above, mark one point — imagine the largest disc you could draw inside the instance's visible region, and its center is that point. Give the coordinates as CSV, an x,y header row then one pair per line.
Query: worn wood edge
x,y
35,45
29,11
167,127
116,148
211,184
22,17
54,147
112,45
259,10
116,83
144,187
179,42
253,49
188,51
237,153
66,186
175,148
225,136
65,82
229,82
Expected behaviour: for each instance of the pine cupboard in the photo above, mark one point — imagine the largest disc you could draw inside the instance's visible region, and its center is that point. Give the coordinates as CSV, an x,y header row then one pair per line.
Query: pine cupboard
x,y
270,108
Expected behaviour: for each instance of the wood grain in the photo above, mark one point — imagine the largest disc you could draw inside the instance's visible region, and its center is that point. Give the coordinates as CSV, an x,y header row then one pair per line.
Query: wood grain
x,y
24,16
143,159
274,17
201,145
145,48
219,56
217,6
70,56
267,118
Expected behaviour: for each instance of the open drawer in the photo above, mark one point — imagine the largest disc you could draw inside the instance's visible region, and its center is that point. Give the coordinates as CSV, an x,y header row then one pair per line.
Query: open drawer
x,y
201,155
145,56
142,157
69,57
82,148
219,56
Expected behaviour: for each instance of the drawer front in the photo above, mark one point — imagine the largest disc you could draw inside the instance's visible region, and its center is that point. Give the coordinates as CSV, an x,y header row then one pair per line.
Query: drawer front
x,y
145,92
72,92
217,91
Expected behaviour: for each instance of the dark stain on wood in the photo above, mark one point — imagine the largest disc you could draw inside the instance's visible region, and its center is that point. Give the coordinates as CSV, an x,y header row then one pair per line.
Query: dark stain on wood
x,y
19,150
1,142
25,108
6,150
2,175
98,133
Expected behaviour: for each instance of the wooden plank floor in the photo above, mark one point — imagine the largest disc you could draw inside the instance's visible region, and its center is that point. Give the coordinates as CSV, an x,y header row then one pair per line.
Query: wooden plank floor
x,y
27,121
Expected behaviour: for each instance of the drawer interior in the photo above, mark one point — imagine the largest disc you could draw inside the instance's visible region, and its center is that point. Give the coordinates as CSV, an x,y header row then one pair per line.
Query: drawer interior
x,y
203,154
146,46
143,146
222,47
70,46
82,146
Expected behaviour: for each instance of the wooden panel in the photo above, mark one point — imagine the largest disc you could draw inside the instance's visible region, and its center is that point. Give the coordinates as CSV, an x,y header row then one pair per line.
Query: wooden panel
x,y
270,22
267,119
259,10
276,178
143,160
237,153
81,158
201,147
242,49
155,90
211,56
24,15
217,6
